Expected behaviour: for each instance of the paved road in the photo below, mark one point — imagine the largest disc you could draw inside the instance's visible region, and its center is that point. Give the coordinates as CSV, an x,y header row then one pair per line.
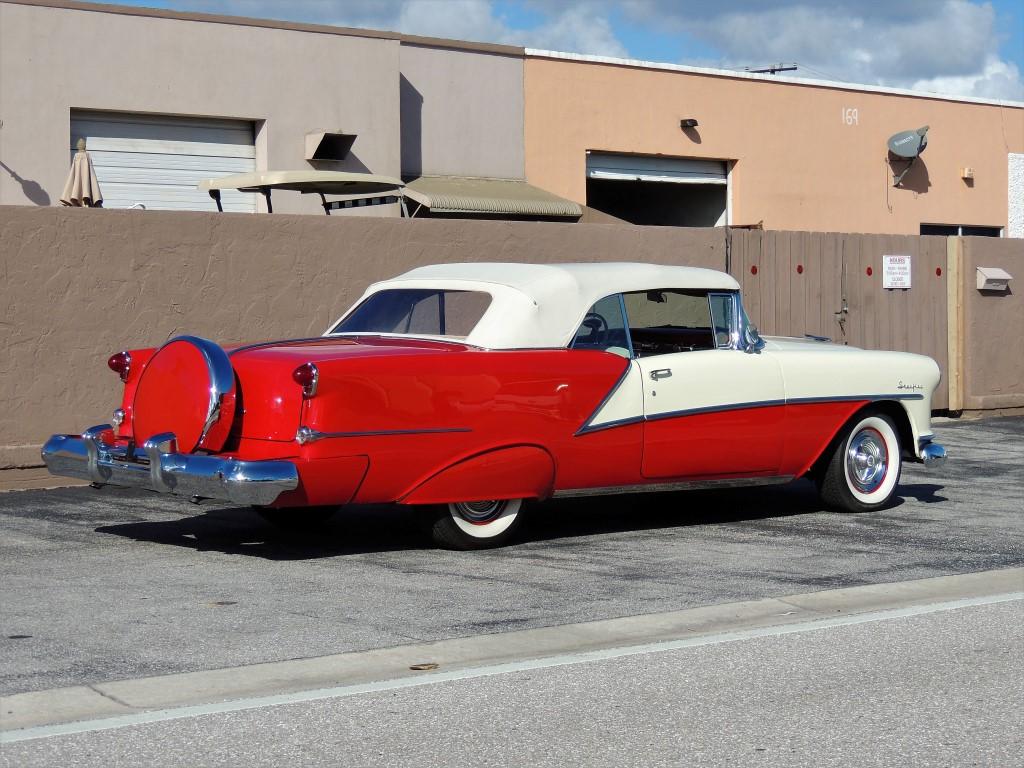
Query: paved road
x,y
933,689
107,585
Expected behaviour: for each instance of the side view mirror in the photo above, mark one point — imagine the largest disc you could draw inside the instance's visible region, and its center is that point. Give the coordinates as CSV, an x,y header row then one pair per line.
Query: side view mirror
x,y
752,341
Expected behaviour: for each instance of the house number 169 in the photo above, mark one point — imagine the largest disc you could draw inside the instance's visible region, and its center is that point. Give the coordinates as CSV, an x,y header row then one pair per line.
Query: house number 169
x,y
849,115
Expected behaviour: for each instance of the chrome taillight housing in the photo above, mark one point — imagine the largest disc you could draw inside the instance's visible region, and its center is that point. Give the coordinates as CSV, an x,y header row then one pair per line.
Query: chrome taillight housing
x,y
121,364
306,376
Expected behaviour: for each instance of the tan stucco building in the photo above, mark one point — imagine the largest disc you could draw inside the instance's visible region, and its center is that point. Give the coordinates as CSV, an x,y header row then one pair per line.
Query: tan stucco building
x,y
796,155
169,98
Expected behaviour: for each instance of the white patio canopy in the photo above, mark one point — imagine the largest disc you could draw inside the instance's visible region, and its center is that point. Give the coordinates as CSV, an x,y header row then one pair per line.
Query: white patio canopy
x,y
359,188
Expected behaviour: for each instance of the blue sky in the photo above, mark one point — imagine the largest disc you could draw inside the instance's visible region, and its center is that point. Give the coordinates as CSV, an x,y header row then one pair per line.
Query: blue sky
x,y
962,47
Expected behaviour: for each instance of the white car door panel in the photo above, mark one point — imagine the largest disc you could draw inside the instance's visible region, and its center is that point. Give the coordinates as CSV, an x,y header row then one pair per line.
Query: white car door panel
x,y
712,412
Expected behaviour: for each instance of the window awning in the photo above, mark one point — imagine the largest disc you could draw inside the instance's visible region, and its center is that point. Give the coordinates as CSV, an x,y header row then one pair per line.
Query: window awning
x,y
508,197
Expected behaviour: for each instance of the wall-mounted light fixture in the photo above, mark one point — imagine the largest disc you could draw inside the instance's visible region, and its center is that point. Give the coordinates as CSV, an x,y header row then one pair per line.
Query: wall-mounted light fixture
x,y
688,122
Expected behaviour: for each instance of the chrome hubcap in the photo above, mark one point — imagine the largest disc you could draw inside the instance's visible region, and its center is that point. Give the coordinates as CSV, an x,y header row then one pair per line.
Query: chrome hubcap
x,y
867,460
480,512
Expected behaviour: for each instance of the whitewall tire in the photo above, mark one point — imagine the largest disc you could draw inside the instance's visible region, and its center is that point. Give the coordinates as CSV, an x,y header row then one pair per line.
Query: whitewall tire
x,y
864,469
476,524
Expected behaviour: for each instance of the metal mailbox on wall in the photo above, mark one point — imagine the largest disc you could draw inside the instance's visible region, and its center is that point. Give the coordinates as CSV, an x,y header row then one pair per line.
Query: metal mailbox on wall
x,y
993,279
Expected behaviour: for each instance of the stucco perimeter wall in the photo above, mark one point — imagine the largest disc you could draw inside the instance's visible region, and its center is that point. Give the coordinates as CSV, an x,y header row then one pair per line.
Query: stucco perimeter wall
x,y
79,284
462,113
993,326
800,159
54,60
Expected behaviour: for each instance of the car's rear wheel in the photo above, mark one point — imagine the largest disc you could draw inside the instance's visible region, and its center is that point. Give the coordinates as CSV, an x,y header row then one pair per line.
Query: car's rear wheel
x,y
476,524
865,466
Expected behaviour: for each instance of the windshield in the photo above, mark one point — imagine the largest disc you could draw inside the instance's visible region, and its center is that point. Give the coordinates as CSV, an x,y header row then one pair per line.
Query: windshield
x,y
418,312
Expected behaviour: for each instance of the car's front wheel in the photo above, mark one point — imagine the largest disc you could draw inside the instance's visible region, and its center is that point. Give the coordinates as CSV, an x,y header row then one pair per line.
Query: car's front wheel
x,y
476,524
865,466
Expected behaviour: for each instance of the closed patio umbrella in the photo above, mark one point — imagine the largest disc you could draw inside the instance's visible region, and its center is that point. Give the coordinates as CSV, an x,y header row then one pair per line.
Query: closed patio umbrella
x,y
82,188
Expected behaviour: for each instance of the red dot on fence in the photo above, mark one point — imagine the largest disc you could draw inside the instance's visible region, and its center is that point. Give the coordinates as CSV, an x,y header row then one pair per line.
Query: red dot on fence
x,y
938,271
753,270
799,269
869,271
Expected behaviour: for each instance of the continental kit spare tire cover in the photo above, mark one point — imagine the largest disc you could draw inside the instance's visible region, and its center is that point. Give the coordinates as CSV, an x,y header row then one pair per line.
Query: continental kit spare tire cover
x,y
187,388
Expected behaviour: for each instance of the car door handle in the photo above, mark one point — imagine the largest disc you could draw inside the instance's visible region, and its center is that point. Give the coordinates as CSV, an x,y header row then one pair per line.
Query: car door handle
x,y
661,373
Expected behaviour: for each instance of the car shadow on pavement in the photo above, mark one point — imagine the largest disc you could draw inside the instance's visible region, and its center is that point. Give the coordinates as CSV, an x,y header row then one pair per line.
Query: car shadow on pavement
x,y
588,516
367,529
358,530
241,531
926,493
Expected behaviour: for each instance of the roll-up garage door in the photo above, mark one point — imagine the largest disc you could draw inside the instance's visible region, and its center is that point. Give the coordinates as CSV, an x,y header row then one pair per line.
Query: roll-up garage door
x,y
660,191
660,169
157,161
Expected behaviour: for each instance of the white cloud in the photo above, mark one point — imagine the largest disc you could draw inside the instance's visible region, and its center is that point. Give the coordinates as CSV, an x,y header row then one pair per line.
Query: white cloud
x,y
997,80
581,27
948,46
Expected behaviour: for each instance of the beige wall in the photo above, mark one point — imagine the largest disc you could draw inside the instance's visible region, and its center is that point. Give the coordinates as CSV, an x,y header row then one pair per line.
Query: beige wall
x,y
462,113
993,327
53,60
81,284
798,165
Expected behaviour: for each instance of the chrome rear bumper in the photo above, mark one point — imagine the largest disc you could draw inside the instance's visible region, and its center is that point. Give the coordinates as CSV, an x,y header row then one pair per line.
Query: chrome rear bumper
x,y
159,467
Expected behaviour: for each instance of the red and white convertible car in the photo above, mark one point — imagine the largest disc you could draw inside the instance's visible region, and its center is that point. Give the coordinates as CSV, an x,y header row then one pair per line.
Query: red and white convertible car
x,y
469,388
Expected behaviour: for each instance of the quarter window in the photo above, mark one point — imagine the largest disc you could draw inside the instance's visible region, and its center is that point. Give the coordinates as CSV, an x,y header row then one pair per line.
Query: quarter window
x,y
722,320
603,328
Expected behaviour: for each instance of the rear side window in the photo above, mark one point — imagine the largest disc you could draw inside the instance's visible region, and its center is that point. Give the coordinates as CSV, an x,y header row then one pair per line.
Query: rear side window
x,y
603,328
418,312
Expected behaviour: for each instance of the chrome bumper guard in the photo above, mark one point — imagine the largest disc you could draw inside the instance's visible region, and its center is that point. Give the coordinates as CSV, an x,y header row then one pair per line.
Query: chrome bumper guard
x,y
158,466
932,454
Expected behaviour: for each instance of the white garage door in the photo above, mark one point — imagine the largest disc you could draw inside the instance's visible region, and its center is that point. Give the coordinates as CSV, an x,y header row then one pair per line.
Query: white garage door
x,y
648,168
157,161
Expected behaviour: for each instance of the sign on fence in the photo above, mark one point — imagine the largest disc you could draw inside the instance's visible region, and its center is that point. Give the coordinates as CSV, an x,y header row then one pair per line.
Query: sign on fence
x,y
896,272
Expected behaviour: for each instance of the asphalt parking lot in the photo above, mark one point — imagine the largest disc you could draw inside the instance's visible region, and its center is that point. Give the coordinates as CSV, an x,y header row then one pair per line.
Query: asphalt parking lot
x,y
109,584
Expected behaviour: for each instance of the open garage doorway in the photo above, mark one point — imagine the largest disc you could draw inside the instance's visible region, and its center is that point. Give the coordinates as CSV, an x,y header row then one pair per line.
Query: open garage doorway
x,y
661,191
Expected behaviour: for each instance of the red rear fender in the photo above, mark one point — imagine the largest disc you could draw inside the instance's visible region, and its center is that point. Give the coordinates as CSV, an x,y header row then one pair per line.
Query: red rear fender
x,y
516,472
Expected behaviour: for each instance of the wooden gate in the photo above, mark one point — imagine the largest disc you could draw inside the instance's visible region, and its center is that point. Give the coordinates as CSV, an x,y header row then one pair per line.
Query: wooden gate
x,y
828,284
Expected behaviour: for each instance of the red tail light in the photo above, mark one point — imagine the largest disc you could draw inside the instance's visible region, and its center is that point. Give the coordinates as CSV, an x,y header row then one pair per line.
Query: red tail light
x,y
121,364
306,376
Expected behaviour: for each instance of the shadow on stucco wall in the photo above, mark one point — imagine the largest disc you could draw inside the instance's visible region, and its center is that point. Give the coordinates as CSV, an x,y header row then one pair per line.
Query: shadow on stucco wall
x,y
29,188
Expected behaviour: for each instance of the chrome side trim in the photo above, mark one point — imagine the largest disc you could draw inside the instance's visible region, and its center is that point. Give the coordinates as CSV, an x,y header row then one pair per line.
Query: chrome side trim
x,y
604,401
306,435
848,398
715,409
685,485
609,425
734,407
159,467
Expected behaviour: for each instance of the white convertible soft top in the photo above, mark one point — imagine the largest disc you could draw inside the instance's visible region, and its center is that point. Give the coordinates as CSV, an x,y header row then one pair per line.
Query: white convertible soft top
x,y
542,305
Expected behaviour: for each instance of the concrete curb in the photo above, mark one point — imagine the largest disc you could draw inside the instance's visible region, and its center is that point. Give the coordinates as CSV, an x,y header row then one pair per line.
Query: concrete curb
x,y
127,697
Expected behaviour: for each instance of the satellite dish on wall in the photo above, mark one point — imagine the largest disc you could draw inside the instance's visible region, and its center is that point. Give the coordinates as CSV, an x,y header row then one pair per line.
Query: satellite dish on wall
x,y
907,145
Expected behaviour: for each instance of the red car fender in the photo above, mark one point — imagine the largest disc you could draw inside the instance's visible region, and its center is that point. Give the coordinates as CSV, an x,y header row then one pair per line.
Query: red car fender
x,y
512,472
